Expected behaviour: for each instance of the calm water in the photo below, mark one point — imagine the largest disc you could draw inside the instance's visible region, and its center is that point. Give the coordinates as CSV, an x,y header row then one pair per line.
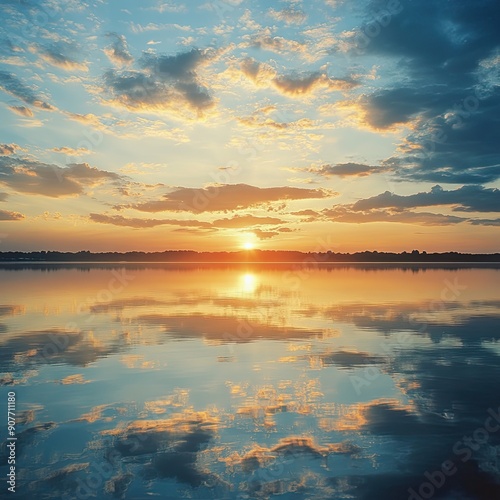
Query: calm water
x,y
252,382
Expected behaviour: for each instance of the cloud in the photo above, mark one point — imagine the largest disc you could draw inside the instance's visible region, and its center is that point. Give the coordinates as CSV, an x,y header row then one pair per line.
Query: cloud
x,y
447,90
87,119
288,15
22,111
7,47
118,220
458,146
224,197
180,67
390,207
485,222
141,28
3,196
350,359
346,213
241,221
213,327
277,44
306,83
6,215
13,86
306,213
33,177
449,174
118,52
261,74
163,6
61,54
465,199
386,108
257,122
334,3
294,84
72,151
265,235
260,457
165,84
77,378
27,351
438,41
9,149
346,170
167,448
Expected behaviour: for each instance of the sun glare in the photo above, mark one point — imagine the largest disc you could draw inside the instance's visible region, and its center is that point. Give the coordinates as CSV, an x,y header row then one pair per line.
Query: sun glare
x,y
248,245
248,283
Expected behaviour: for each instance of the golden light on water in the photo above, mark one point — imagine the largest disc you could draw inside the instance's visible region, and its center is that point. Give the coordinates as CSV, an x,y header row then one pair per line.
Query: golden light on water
x,y
248,283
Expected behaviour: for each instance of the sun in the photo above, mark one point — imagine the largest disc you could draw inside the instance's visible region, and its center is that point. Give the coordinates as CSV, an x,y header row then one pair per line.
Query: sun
x,y
248,245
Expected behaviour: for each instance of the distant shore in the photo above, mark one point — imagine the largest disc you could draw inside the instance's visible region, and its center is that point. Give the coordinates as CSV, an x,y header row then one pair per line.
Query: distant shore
x,y
246,256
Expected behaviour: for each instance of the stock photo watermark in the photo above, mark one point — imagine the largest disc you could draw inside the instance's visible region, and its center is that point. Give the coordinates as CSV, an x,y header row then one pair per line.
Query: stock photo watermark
x,y
463,449
11,441
451,291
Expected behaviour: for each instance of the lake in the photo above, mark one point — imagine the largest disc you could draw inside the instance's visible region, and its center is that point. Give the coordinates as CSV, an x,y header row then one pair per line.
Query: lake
x,y
252,381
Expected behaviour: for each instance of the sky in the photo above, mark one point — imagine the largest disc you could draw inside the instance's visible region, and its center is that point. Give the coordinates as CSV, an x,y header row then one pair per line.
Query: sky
x,y
227,124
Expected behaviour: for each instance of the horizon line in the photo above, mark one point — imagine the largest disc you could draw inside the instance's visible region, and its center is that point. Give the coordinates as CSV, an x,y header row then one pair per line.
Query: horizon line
x,y
248,251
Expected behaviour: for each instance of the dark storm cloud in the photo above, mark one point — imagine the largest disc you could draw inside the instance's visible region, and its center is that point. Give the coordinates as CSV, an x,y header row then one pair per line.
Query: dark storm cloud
x,y
13,86
400,105
461,146
438,40
448,88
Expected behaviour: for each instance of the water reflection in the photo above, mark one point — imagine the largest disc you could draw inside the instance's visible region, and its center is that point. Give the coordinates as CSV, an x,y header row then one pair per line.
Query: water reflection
x,y
248,283
223,382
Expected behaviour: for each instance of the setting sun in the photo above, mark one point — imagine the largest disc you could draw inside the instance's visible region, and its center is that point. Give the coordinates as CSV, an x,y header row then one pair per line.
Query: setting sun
x,y
248,245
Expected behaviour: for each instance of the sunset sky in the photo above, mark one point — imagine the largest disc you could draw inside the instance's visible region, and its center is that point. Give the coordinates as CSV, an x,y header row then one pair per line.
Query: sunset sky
x,y
225,124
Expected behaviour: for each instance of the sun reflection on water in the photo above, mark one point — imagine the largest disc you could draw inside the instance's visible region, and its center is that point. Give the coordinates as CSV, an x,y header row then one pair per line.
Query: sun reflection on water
x,y
248,283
